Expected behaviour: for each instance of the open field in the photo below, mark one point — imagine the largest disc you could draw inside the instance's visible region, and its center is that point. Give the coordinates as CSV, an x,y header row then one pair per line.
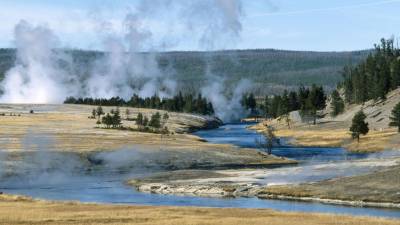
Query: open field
x,y
14,210
69,129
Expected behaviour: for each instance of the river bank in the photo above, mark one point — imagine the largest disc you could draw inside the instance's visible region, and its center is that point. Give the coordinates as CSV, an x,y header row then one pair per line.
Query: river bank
x,y
20,210
67,128
377,189
115,155
316,166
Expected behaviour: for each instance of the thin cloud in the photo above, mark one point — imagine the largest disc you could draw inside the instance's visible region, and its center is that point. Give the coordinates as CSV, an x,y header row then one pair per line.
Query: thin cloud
x,y
306,11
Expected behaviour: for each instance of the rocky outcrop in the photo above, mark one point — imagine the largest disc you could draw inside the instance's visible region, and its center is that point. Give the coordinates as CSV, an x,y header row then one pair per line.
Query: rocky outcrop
x,y
189,122
205,190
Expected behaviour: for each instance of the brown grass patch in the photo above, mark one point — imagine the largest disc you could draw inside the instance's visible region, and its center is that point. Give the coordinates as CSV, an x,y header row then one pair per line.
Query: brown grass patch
x,y
73,213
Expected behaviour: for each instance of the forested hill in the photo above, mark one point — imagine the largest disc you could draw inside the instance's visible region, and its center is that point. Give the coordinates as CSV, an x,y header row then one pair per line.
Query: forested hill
x,y
271,70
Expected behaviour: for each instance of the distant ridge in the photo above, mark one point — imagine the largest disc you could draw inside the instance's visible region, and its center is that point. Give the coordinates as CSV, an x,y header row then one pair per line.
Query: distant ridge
x,y
271,70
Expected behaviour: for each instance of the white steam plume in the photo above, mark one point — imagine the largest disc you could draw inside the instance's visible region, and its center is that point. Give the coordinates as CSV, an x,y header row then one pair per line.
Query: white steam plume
x,y
36,76
218,22
41,73
226,108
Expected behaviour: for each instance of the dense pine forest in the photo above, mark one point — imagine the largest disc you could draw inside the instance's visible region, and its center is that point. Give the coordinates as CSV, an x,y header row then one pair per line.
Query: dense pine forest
x,y
271,70
179,103
374,77
307,100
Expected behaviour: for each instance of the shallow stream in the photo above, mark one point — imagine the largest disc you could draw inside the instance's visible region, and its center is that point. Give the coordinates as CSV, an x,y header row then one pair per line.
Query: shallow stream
x,y
107,186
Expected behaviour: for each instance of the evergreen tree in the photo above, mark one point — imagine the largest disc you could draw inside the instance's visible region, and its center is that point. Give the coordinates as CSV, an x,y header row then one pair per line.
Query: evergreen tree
x,y
275,106
165,119
116,118
210,109
303,96
188,107
248,101
316,101
139,120
268,107
347,84
99,112
374,77
145,121
359,126
395,73
178,103
395,118
284,105
337,104
107,120
155,120
293,101
251,102
94,113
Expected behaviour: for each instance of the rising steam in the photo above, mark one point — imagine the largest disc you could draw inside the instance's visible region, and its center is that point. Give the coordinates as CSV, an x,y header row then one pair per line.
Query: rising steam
x,y
36,78
43,73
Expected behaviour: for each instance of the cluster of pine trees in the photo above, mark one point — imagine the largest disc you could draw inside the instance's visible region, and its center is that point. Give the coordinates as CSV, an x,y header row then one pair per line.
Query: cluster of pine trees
x,y
112,119
179,103
307,100
374,77
248,101
156,122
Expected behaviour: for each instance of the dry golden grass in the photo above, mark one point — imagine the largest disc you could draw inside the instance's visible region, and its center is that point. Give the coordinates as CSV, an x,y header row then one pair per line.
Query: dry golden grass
x,y
73,131
332,134
69,129
315,138
372,142
375,141
40,212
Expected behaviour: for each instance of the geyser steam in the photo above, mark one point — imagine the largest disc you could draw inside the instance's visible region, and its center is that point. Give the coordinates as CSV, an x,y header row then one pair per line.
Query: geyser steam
x,y
36,78
43,72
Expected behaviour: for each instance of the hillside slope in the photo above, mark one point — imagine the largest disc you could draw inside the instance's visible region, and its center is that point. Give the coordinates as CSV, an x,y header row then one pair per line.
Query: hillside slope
x,y
334,132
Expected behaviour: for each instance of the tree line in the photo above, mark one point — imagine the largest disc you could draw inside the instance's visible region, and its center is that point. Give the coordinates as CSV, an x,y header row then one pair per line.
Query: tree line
x,y
179,103
374,77
307,99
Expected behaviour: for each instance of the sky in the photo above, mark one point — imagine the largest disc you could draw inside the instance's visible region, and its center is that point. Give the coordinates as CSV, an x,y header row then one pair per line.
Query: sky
x,y
315,25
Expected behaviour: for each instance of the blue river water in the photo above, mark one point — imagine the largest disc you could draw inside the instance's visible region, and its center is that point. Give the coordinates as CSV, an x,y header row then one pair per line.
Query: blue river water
x,y
111,189
238,135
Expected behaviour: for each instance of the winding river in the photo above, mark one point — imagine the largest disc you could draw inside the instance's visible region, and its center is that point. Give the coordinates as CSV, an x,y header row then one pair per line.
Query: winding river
x,y
109,187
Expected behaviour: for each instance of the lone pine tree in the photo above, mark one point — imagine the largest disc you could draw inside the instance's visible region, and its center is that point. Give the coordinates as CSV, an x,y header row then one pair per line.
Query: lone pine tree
x,y
395,118
359,126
